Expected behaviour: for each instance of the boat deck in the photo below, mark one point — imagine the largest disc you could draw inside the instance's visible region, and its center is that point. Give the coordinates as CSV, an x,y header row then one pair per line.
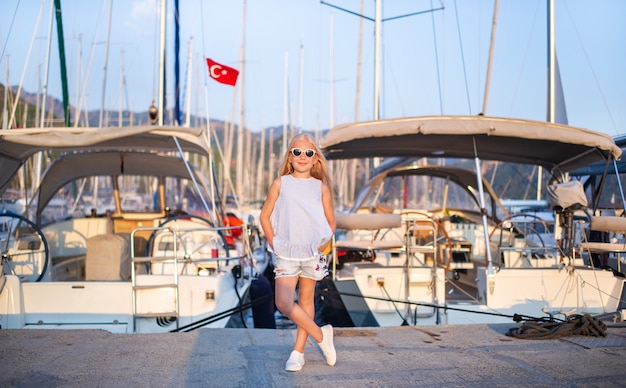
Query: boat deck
x,y
463,355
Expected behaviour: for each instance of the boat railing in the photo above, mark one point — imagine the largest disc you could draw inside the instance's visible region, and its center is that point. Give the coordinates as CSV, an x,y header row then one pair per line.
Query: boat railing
x,y
183,254
186,246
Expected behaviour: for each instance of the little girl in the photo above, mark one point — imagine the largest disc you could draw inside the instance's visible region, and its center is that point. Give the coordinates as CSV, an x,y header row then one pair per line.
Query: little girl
x,y
298,221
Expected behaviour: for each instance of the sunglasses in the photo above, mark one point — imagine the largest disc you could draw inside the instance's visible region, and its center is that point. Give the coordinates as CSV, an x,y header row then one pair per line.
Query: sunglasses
x,y
297,152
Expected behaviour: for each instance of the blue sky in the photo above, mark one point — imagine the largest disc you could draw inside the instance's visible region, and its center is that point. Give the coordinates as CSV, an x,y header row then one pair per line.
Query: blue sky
x,y
433,63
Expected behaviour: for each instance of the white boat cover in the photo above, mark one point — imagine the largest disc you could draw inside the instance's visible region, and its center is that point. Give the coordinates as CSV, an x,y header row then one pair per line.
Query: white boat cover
x,y
567,195
559,148
17,145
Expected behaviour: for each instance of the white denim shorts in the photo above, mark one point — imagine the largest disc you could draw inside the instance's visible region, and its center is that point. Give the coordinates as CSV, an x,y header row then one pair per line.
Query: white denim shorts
x,y
315,268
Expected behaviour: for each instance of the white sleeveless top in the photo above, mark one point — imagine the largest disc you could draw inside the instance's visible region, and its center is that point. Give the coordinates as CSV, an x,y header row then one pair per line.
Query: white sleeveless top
x,y
298,220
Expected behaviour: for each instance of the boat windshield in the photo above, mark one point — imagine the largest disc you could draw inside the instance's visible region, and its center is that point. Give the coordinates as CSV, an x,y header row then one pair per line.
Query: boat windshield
x,y
98,196
419,192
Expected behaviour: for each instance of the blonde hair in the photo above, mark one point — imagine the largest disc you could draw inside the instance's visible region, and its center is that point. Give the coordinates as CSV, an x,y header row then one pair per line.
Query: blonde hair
x,y
319,170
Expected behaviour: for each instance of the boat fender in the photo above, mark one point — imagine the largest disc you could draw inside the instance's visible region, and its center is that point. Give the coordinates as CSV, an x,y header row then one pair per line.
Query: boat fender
x,y
236,271
262,303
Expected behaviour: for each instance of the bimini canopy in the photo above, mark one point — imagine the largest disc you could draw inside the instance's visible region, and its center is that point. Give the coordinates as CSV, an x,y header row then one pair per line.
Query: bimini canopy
x,y
17,145
109,163
558,148
599,168
465,179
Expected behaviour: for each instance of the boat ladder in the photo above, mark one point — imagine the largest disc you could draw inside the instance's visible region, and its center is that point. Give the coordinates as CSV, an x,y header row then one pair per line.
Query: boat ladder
x,y
156,285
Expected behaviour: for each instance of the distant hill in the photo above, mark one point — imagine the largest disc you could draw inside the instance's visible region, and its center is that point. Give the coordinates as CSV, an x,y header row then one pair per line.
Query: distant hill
x,y
54,111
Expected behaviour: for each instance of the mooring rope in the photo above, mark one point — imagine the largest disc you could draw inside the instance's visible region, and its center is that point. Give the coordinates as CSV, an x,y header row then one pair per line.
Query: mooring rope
x,y
575,325
514,317
224,314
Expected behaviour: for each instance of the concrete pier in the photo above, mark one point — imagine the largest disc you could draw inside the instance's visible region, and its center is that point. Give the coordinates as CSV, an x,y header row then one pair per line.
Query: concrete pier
x,y
433,356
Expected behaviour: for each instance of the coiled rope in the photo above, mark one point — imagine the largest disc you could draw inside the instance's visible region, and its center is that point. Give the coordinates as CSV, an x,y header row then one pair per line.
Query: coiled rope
x,y
575,325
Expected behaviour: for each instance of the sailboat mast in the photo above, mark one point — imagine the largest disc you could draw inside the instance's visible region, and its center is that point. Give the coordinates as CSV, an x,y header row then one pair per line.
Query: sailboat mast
x,y
332,72
61,42
120,108
551,63
176,64
5,110
19,87
357,102
551,113
378,26
161,103
490,61
104,69
47,73
240,135
285,102
259,178
189,88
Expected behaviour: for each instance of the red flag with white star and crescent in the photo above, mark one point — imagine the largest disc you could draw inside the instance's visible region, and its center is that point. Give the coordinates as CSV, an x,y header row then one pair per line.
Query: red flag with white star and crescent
x,y
222,73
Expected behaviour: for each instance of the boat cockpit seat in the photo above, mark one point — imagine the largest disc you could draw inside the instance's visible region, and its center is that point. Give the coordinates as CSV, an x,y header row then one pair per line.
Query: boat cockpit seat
x,y
108,258
616,227
368,222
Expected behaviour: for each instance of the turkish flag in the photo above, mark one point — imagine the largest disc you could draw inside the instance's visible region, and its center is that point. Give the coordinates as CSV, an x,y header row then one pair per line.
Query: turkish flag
x,y
221,73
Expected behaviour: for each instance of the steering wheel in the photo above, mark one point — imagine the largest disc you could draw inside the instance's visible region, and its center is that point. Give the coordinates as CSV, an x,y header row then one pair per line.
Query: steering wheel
x,y
185,217
528,230
23,247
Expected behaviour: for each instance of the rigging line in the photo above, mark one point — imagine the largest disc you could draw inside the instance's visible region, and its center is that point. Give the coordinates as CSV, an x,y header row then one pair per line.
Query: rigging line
x,y
87,72
348,11
515,317
596,287
619,183
221,315
204,50
458,28
385,19
584,282
524,58
432,17
4,47
404,322
396,88
195,181
593,73
30,48
416,13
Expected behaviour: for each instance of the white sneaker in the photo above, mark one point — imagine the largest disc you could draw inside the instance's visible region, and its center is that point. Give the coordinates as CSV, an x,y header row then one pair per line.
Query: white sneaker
x,y
295,362
326,346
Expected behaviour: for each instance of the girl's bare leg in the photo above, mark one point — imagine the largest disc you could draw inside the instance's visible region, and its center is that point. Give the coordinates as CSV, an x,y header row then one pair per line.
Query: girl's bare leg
x,y
285,291
306,300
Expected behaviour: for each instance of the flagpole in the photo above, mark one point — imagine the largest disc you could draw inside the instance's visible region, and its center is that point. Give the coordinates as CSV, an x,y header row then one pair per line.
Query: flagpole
x,y
240,136
212,210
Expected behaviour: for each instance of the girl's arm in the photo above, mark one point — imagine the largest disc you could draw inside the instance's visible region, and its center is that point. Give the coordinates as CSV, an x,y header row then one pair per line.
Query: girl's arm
x,y
268,208
327,202
329,211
